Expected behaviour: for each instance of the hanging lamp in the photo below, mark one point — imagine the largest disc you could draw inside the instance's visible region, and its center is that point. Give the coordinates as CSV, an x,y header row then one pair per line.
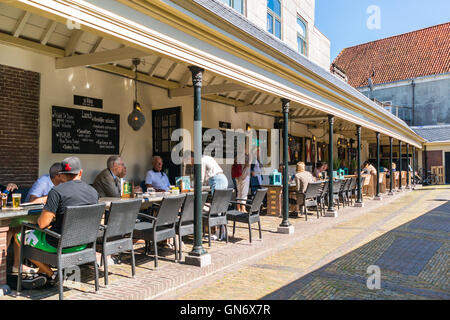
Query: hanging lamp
x,y
136,118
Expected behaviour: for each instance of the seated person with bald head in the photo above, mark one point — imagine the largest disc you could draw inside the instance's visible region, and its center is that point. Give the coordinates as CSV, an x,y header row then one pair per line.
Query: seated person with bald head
x,y
107,182
40,189
156,178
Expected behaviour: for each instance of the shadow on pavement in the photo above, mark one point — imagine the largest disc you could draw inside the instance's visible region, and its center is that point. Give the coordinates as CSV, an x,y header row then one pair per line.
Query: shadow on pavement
x,y
412,260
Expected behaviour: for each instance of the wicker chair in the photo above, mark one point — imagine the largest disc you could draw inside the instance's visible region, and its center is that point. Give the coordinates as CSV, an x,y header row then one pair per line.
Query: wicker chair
x,y
80,227
117,235
185,225
162,227
252,216
216,215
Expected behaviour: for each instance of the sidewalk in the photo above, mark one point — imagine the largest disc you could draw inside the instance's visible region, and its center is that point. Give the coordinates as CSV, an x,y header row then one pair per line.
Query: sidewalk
x,y
163,282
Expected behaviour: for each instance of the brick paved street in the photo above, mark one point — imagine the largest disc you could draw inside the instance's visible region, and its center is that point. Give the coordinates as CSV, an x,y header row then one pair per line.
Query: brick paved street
x,y
407,236
408,239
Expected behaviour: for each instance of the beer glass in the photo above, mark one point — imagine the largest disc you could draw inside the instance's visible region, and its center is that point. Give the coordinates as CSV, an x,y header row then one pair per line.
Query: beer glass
x,y
16,199
4,200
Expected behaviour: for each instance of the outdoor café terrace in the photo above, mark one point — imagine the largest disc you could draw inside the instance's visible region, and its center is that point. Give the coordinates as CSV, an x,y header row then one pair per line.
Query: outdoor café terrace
x,y
193,66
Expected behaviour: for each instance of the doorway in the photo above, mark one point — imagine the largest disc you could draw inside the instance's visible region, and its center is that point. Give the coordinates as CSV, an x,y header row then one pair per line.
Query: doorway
x,y
164,122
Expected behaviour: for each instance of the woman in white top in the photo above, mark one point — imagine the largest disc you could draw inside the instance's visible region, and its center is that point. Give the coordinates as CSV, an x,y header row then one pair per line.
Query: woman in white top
x,y
243,184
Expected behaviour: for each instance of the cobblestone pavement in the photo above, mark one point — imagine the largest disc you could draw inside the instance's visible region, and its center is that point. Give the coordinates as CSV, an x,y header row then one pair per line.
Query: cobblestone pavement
x,y
408,239
406,235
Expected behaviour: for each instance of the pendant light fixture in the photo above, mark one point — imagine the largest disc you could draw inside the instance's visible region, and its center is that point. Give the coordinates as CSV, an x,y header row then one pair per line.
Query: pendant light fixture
x,y
136,118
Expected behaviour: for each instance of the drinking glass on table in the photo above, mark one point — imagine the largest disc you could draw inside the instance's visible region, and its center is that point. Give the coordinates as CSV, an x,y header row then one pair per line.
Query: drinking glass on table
x,y
16,199
4,199
151,191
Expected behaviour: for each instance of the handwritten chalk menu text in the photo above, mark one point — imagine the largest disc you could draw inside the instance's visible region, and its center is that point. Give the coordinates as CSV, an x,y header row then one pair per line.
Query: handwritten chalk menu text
x,y
84,131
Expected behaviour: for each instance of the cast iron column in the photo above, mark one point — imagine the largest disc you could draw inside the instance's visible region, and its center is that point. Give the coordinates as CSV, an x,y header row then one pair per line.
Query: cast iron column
x,y
424,181
413,166
400,165
377,196
197,75
391,172
358,167
330,163
407,166
285,222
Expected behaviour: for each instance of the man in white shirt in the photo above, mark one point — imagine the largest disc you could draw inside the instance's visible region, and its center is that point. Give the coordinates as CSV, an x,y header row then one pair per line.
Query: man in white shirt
x,y
212,173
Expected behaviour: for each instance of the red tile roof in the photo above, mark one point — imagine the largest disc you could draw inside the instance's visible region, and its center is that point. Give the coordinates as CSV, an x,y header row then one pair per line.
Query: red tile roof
x,y
405,56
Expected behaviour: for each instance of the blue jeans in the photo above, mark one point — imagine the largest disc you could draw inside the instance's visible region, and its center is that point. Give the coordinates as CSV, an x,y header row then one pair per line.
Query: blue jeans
x,y
219,181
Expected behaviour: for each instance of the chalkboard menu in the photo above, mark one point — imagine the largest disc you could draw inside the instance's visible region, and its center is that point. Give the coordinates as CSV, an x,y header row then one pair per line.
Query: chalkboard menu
x,y
84,131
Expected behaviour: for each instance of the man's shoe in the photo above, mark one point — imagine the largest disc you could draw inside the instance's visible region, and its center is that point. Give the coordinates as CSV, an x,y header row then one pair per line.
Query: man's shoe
x,y
34,281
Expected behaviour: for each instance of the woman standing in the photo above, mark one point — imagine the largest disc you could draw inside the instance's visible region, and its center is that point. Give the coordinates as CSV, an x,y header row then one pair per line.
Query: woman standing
x,y
255,172
243,184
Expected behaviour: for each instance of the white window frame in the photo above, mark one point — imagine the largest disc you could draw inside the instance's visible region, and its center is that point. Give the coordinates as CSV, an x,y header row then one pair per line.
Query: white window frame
x,y
299,36
275,16
230,3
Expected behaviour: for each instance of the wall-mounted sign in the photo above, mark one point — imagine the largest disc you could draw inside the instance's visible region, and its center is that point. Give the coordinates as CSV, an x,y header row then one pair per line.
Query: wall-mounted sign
x,y
84,131
87,102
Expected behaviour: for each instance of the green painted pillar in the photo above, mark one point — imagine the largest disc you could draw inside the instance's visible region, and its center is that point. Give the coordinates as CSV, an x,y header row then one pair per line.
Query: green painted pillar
x,y
285,222
197,75
407,166
400,165
359,200
378,166
413,166
391,172
425,166
330,163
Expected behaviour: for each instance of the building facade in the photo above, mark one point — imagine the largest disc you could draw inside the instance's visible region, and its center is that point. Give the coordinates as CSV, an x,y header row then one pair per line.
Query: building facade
x,y
409,72
291,21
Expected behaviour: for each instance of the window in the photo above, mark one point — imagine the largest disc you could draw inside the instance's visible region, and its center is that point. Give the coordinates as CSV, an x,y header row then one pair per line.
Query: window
x,y
237,5
274,17
301,36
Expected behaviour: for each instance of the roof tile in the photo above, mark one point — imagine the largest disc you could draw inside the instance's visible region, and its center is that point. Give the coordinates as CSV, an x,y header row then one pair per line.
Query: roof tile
x,y
406,56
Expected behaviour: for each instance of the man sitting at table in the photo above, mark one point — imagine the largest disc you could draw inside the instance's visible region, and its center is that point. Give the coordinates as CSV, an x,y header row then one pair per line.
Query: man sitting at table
x,y
40,189
302,179
156,178
107,182
72,192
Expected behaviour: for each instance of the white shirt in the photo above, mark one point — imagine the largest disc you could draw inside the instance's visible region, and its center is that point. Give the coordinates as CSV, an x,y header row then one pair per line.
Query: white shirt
x,y
209,168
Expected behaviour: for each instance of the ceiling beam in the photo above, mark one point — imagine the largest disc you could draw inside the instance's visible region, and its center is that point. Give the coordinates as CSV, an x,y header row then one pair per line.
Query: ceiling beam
x,y
97,45
21,24
170,71
48,32
97,58
30,45
259,107
185,78
248,98
140,76
212,89
74,40
154,66
309,118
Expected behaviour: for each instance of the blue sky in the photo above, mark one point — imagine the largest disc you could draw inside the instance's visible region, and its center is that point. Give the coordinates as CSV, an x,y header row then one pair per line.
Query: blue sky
x,y
344,22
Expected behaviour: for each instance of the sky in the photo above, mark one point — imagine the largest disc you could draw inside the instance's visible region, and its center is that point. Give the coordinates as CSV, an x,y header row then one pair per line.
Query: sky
x,y
346,22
